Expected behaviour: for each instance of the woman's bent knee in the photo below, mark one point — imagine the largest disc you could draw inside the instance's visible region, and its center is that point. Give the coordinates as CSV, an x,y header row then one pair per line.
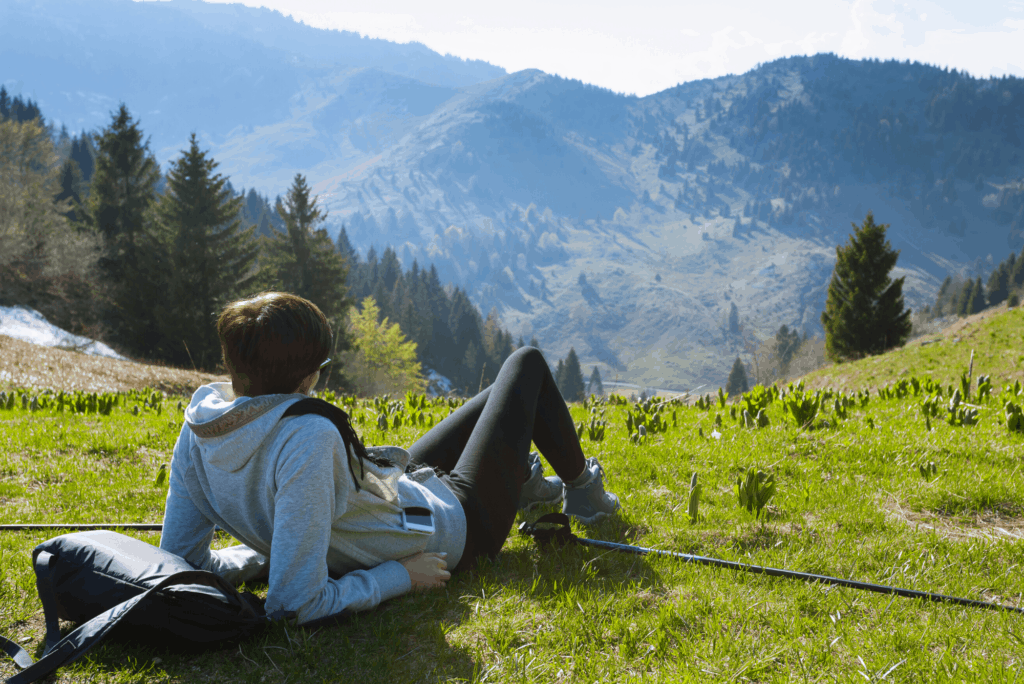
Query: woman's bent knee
x,y
528,359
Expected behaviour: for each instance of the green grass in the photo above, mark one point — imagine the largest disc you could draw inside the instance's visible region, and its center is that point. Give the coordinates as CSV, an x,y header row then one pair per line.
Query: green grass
x,y
851,502
995,337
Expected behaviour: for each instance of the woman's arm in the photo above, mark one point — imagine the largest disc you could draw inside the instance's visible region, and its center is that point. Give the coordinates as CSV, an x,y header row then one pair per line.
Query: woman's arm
x,y
305,504
188,533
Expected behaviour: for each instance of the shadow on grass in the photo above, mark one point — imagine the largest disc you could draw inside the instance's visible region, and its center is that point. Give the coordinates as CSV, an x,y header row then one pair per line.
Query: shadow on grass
x,y
546,571
401,640
758,538
409,638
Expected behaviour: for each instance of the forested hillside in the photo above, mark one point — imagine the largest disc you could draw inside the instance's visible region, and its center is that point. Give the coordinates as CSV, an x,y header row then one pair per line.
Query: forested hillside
x,y
97,239
675,207
626,228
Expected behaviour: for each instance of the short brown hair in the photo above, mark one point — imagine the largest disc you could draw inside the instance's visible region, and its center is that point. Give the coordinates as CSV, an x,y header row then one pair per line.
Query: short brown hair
x,y
272,341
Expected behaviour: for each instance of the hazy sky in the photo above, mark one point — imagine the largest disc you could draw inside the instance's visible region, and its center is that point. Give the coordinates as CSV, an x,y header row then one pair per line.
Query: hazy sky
x,y
643,46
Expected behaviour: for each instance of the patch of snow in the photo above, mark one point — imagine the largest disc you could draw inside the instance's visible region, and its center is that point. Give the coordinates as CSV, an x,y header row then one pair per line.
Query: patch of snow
x,y
437,384
29,325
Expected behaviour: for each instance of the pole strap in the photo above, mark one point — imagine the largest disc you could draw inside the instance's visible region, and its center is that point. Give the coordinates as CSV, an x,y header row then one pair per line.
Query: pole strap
x,y
553,528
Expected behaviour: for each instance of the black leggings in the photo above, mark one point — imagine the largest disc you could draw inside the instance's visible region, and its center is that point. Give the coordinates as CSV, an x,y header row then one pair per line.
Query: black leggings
x,y
483,446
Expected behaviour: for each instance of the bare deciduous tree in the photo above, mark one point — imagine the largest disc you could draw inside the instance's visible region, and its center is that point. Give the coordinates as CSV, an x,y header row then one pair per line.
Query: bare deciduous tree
x,y
763,357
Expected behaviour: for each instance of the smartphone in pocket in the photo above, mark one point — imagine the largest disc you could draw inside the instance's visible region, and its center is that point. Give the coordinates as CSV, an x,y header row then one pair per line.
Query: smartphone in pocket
x,y
418,519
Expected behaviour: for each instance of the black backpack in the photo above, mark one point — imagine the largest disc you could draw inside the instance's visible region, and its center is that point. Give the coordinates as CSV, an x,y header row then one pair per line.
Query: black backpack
x,y
109,583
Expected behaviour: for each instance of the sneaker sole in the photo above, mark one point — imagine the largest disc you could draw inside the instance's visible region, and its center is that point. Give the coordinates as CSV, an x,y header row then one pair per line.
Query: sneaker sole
x,y
600,515
591,520
533,504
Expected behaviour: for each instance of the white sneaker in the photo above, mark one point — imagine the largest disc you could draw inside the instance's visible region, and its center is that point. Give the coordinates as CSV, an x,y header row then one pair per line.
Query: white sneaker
x,y
585,499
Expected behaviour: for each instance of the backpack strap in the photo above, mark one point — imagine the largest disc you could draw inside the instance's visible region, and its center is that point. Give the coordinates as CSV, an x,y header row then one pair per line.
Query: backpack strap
x,y
42,563
21,657
354,446
45,586
87,635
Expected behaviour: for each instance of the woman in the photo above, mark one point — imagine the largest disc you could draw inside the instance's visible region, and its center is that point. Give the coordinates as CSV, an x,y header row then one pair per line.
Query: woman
x,y
332,525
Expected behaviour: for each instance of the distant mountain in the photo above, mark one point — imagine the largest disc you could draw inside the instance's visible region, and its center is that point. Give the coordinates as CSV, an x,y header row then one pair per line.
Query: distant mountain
x,y
624,227
674,206
183,65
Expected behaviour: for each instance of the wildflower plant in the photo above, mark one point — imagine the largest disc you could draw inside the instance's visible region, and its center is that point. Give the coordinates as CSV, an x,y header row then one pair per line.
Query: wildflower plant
x,y
754,490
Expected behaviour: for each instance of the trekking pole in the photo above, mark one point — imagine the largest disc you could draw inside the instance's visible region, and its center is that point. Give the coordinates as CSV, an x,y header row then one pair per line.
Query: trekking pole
x,y
556,529
77,527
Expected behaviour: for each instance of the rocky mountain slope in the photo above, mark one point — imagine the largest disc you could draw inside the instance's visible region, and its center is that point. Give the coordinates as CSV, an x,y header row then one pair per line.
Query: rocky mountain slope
x,y
625,227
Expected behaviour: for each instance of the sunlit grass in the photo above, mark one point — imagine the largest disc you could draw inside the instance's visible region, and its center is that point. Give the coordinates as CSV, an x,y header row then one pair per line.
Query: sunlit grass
x,y
851,502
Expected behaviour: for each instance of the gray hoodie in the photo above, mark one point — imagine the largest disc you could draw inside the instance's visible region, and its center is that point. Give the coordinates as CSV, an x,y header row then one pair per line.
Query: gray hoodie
x,y
284,488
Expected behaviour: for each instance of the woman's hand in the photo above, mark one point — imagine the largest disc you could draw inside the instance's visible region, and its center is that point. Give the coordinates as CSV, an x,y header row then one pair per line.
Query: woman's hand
x,y
427,570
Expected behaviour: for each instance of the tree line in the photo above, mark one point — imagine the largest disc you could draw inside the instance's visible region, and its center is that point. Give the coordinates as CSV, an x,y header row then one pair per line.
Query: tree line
x,y
47,259
964,297
156,256
451,335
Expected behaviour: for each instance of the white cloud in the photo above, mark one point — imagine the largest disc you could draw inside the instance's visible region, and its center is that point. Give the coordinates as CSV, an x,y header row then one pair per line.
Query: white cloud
x,y
649,45
868,26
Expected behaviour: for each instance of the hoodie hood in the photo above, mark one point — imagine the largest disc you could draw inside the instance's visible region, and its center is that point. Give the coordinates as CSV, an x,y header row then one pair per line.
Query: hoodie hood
x,y
230,429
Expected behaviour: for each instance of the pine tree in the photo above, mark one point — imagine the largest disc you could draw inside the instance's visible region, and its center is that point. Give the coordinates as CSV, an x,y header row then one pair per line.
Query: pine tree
x,y
997,288
304,260
18,110
494,343
560,377
572,378
734,319
787,342
381,295
121,196
70,183
211,257
1017,272
864,313
390,269
465,327
440,343
976,300
84,155
419,300
594,385
473,359
504,347
941,304
737,382
396,300
345,248
962,299
364,284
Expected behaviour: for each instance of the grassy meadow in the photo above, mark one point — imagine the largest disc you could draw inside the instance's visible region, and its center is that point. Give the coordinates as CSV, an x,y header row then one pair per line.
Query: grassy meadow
x,y
864,490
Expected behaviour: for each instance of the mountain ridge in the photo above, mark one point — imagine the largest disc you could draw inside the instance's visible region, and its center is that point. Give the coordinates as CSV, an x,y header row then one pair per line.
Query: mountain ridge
x,y
218,72
622,226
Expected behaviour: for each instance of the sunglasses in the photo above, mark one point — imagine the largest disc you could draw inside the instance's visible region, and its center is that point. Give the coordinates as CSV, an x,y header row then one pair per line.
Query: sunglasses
x,y
324,364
